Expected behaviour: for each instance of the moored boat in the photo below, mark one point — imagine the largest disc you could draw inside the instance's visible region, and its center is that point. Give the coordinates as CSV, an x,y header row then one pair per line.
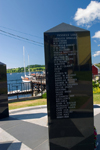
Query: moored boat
x,y
26,78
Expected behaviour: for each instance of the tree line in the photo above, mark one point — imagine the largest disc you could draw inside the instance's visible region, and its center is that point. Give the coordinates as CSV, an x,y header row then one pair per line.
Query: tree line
x,y
98,65
33,68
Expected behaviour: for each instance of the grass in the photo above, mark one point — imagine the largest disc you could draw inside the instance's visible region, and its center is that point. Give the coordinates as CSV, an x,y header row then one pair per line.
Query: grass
x,y
96,98
27,103
43,101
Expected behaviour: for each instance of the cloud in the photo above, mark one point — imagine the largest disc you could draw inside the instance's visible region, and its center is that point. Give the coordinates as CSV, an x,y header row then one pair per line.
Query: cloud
x,y
96,54
89,14
88,26
97,35
95,41
99,45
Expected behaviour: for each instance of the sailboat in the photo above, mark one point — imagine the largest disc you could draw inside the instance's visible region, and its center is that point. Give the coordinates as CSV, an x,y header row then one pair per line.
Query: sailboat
x,y
26,78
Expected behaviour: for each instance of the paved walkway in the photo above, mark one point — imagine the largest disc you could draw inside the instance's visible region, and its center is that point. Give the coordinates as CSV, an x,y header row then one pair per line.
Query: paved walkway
x,y
26,129
97,122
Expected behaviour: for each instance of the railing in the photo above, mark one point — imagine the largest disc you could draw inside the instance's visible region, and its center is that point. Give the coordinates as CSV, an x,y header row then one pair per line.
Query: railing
x,y
13,86
17,87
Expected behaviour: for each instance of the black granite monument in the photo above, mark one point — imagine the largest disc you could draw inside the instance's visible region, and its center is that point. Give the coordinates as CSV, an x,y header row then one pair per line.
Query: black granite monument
x,y
3,92
69,88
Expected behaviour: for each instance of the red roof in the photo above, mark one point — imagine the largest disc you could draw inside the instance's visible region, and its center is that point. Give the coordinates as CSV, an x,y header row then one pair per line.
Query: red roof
x,y
94,70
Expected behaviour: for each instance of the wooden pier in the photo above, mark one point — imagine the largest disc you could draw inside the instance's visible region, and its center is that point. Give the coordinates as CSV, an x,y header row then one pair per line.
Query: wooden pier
x,y
37,86
17,92
43,82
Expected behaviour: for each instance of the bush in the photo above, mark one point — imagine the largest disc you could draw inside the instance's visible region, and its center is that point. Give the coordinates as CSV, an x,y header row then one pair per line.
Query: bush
x,y
96,90
44,95
95,84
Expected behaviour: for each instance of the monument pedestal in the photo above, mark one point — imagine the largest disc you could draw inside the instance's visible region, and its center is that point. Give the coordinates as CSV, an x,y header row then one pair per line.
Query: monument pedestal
x,y
69,88
3,92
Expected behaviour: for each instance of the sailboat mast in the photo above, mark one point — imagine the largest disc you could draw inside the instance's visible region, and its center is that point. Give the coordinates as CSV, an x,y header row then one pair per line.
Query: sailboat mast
x,y
24,61
28,65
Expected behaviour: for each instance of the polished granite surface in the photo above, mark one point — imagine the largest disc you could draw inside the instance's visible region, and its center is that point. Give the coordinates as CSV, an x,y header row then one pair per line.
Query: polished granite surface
x,y
3,92
69,90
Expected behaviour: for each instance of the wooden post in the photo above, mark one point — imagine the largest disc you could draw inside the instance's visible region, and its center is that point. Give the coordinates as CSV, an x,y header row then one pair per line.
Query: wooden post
x,y
32,87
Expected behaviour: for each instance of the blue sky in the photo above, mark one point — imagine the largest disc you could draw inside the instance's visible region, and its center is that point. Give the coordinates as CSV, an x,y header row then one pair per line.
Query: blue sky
x,y
31,18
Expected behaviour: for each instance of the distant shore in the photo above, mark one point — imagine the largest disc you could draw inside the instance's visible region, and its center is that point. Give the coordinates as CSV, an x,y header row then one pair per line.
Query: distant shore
x,y
33,68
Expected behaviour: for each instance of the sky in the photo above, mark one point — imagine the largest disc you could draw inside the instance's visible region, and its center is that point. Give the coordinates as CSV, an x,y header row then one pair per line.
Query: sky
x,y
23,22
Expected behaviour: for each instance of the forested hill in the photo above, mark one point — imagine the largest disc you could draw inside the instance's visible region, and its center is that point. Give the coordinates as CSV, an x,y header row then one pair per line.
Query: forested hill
x,y
33,68
98,65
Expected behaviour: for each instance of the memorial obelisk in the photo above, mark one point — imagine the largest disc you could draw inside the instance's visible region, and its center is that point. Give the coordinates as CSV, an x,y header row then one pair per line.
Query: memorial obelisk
x,y
69,88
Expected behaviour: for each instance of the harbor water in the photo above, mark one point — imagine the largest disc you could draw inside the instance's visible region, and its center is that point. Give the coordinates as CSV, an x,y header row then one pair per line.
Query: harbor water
x,y
15,83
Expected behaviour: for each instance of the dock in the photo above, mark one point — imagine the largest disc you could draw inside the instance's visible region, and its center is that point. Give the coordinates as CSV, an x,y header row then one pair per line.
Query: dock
x,y
34,87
